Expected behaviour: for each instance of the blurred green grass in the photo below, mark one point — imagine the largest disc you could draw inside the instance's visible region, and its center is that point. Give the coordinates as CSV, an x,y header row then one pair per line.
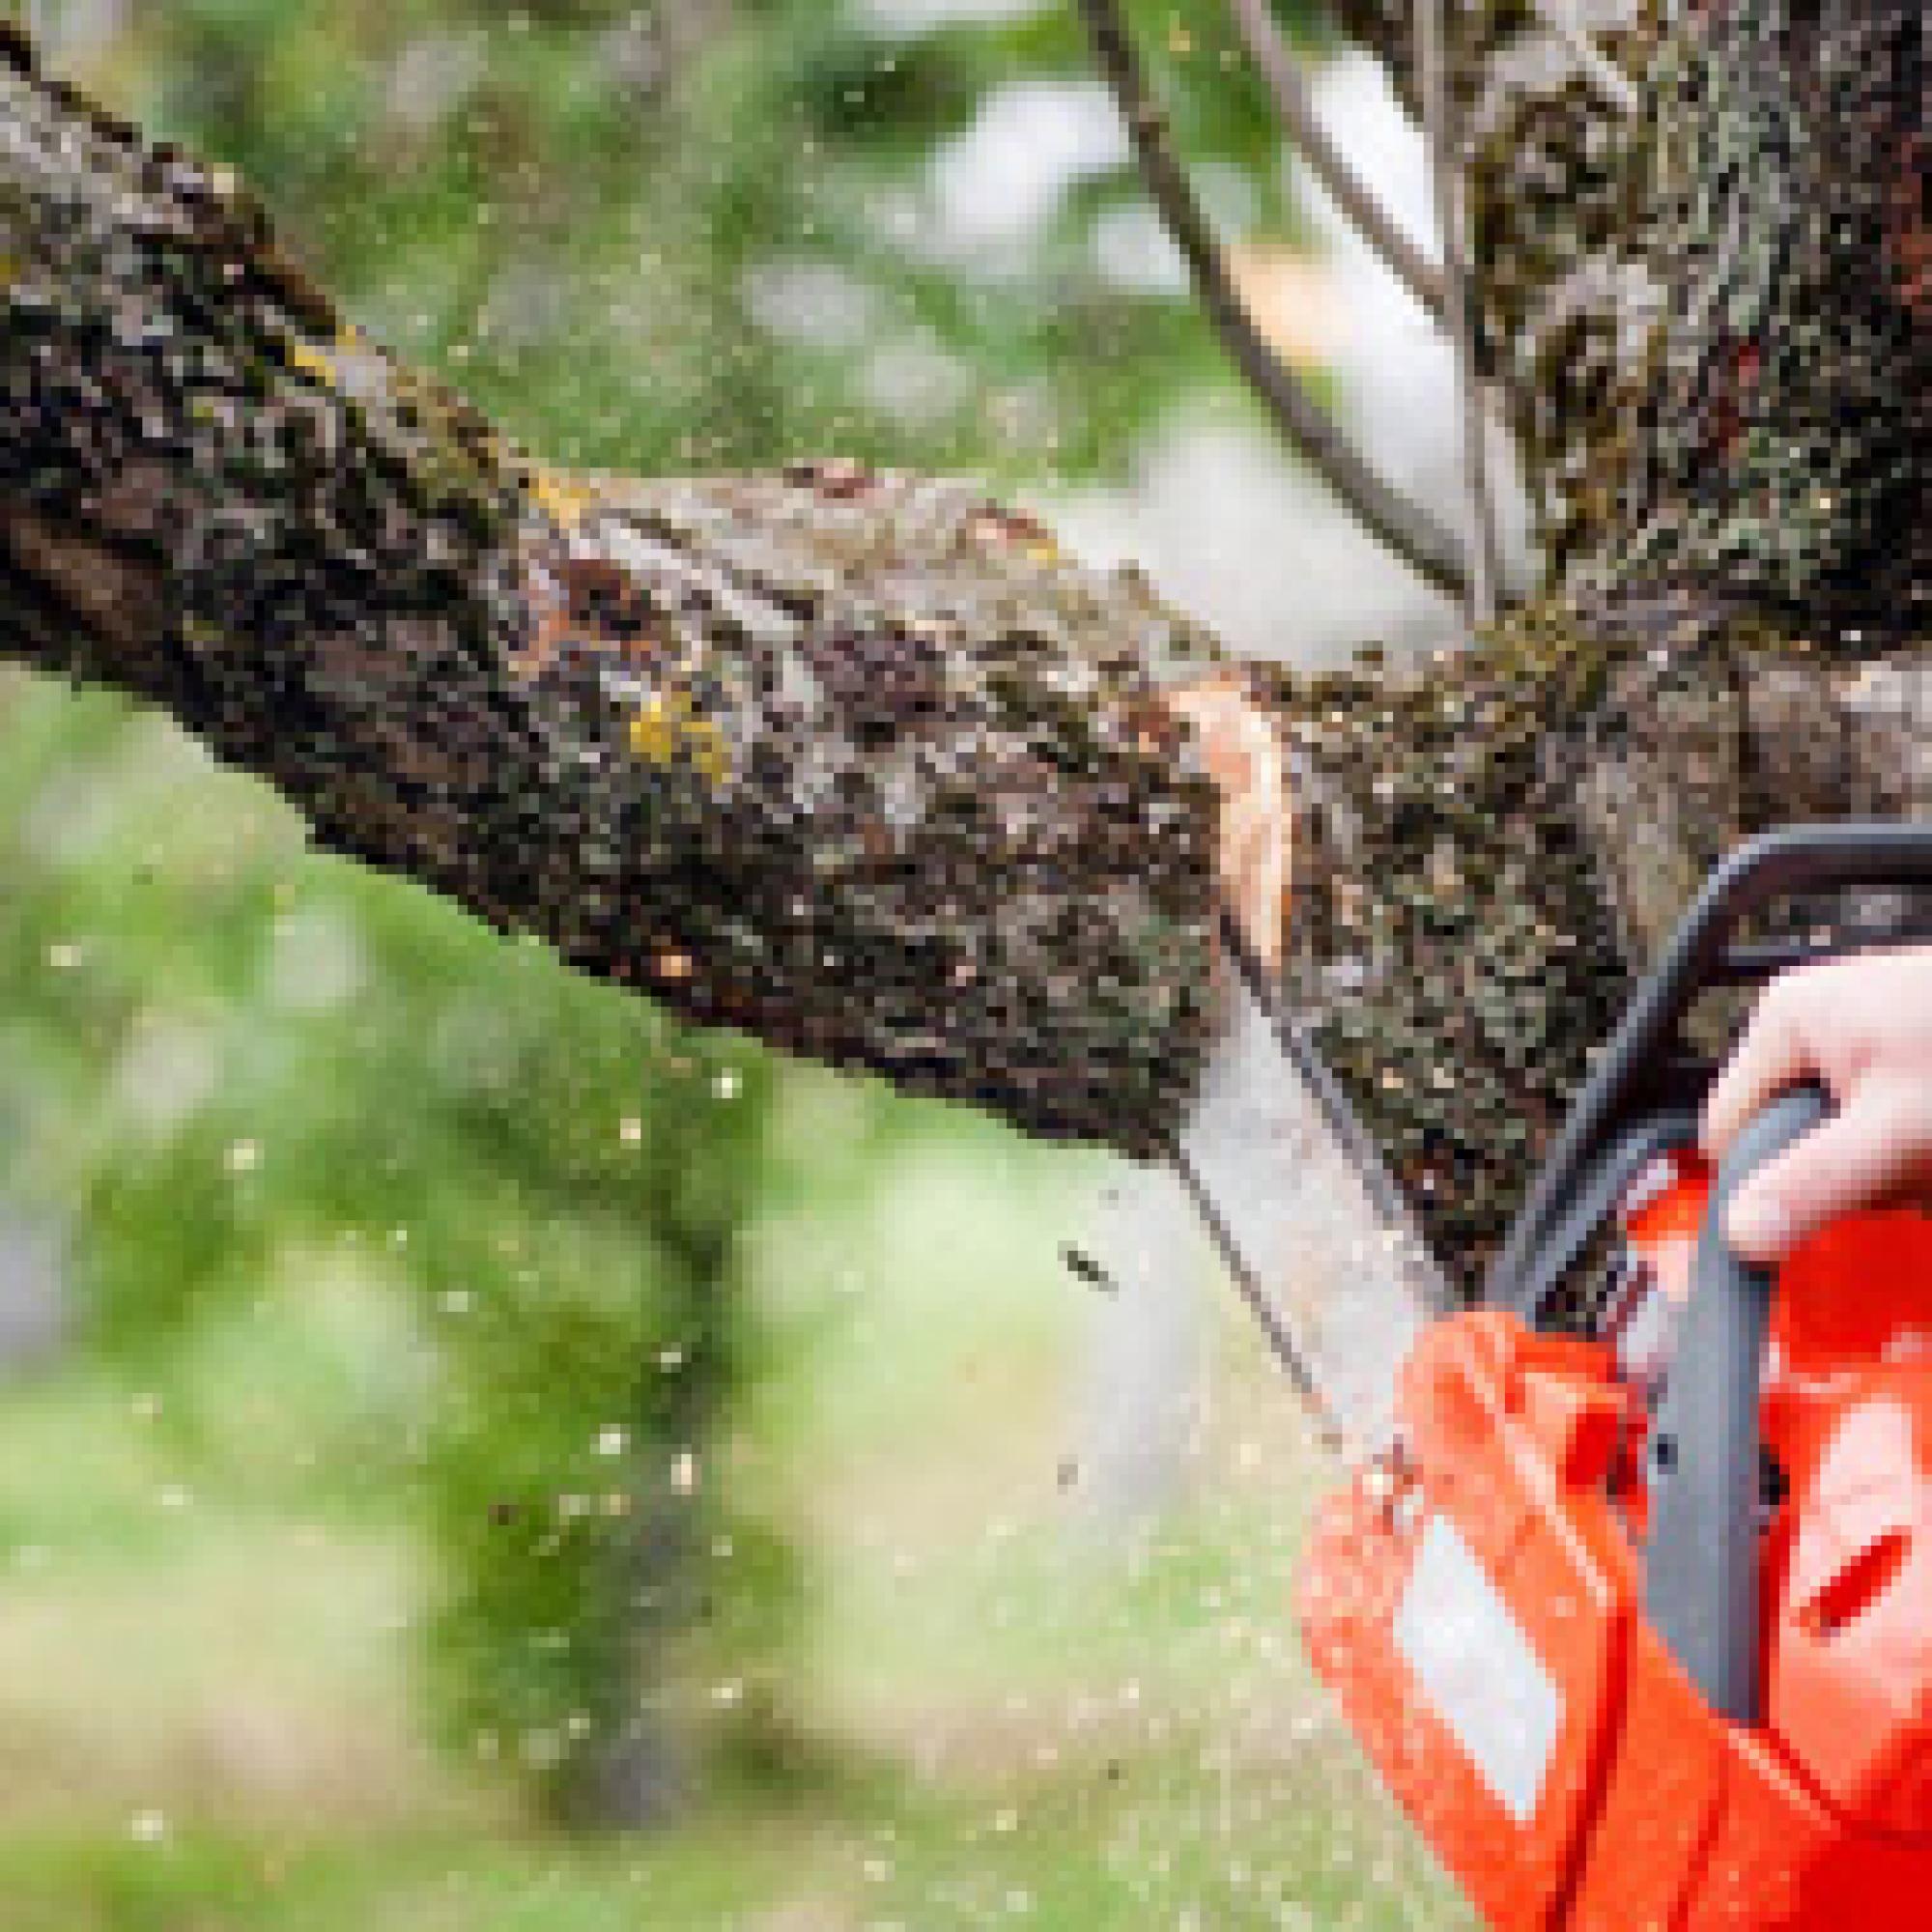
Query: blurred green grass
x,y
1014,1712
216,1591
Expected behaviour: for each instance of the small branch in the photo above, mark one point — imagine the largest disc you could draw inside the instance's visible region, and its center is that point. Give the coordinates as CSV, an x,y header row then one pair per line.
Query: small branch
x,y
1404,526
1295,107
1605,77
1480,519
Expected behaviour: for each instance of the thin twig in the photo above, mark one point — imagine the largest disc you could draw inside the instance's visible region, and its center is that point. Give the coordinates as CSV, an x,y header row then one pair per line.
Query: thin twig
x,y
1606,79
1295,107
1405,526
1432,74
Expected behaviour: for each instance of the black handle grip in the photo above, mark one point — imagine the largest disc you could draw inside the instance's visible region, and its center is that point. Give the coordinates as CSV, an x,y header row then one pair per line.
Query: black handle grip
x,y
1793,862
1796,861
1700,1585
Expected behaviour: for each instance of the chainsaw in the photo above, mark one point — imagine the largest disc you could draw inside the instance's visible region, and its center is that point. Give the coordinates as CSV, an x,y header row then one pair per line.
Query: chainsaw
x,y
1631,1610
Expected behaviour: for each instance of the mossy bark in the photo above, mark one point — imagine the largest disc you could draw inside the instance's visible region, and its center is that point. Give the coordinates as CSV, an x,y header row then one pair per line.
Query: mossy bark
x,y
1716,313
855,762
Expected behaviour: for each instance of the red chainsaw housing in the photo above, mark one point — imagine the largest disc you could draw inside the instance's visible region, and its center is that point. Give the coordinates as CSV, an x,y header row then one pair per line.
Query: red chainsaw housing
x,y
1477,1608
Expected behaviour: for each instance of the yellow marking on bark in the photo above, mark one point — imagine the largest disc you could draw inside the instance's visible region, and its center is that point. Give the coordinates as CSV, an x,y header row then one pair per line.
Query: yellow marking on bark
x,y
321,361
314,362
562,498
667,728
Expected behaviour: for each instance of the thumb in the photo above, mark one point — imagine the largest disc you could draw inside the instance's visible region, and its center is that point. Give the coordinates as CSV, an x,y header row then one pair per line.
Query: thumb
x,y
1848,1162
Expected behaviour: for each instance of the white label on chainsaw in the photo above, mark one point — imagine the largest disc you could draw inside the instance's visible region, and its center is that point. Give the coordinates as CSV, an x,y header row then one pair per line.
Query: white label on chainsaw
x,y
1478,1668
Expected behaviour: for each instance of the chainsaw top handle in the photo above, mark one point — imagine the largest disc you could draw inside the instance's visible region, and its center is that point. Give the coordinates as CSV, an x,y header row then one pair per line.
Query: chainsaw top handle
x,y
1641,1093
1700,1567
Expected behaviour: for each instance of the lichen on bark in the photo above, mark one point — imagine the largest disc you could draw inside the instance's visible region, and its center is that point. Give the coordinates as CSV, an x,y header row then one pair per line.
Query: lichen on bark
x,y
857,762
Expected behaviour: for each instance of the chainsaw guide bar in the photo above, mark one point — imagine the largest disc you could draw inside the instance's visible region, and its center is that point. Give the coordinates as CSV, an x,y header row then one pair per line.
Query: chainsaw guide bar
x,y
1307,1220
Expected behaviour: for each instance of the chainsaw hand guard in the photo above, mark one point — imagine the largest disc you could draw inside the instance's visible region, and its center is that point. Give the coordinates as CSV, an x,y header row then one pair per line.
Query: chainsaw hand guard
x,y
1701,1587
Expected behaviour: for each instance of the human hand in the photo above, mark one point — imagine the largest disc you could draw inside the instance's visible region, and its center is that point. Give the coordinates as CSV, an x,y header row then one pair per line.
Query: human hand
x,y
1863,1027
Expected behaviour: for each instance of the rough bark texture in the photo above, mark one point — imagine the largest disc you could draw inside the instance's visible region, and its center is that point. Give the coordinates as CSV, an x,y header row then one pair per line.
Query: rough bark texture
x,y
1710,313
1736,633
1490,844
856,762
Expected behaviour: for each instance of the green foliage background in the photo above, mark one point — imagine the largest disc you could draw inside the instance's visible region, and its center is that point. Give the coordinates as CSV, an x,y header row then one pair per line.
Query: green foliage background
x,y
234,1071
566,205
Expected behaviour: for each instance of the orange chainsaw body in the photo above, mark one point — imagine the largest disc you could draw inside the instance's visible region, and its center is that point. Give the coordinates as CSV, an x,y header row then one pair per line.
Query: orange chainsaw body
x,y
1476,1605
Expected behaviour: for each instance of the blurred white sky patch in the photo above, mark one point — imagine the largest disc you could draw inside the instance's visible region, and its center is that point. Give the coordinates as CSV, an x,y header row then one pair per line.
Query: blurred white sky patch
x,y
810,301
35,1312
430,79
903,19
1393,363
914,379
169,1068
1135,252
993,190
1001,180
314,961
1234,535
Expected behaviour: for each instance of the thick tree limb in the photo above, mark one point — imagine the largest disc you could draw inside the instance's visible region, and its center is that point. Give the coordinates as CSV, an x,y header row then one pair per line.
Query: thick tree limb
x,y
858,763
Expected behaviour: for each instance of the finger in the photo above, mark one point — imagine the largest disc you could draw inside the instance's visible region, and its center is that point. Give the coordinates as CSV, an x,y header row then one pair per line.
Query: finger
x,y
1859,1157
1774,1053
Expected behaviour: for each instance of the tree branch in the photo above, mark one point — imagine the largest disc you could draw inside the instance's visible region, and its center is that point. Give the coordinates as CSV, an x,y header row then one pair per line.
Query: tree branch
x,y
1605,79
1404,526
1295,108
1432,64
856,762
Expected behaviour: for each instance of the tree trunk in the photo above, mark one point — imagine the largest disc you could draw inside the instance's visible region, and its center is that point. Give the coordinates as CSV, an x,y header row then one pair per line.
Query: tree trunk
x,y
856,762
1740,450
